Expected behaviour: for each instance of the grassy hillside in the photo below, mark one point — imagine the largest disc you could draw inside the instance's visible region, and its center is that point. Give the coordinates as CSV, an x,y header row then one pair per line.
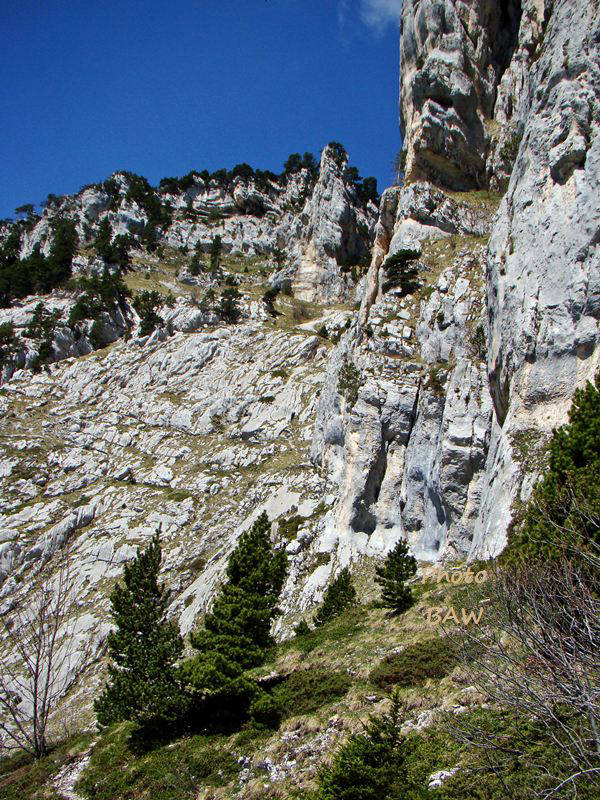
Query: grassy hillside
x,y
327,683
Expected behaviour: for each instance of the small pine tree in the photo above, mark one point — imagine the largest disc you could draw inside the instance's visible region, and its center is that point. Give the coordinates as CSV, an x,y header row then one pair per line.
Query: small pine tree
x,y
144,683
370,765
339,596
195,265
391,576
237,632
229,308
102,243
216,248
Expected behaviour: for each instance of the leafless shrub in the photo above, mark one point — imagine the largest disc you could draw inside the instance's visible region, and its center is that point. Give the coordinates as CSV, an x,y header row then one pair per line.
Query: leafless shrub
x,y
538,656
35,664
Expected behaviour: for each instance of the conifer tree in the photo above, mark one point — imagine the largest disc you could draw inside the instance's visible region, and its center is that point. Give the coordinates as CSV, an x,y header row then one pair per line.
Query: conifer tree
x,y
143,682
339,596
370,765
236,634
216,248
391,576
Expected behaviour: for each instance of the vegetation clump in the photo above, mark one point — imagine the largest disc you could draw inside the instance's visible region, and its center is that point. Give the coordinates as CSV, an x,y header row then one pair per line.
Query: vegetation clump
x,y
349,381
98,294
417,663
37,272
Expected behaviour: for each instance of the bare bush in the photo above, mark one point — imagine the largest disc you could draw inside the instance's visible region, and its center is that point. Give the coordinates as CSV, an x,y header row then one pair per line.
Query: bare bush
x,y
538,657
35,665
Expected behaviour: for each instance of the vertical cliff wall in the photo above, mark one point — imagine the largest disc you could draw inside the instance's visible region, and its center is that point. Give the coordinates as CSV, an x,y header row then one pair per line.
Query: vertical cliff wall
x,y
463,374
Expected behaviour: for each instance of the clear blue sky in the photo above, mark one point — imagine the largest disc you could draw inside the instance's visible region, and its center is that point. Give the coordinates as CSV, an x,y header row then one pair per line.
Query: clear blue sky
x,y
161,87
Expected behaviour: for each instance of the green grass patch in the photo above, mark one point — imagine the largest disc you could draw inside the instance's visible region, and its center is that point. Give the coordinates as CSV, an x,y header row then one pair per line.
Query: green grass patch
x,y
347,625
288,528
170,771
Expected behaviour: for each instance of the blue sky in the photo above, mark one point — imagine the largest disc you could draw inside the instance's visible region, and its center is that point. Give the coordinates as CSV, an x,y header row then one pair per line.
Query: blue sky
x,y
161,88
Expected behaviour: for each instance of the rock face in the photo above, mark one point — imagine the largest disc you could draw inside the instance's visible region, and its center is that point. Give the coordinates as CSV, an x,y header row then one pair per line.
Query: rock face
x,y
488,91
453,56
543,287
320,222
406,455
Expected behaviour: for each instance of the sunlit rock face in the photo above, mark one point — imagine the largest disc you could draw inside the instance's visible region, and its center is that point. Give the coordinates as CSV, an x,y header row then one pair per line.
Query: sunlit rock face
x,y
452,58
331,242
496,99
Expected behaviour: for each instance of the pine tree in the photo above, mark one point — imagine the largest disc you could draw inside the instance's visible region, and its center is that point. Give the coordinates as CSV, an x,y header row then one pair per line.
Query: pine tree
x,y
102,243
370,765
339,596
391,576
229,308
236,634
144,684
216,248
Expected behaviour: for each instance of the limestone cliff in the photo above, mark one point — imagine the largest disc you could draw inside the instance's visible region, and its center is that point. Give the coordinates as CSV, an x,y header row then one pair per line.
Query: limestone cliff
x,y
437,448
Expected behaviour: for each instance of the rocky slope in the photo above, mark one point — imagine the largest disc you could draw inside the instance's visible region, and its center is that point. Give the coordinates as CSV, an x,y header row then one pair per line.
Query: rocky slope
x,y
476,320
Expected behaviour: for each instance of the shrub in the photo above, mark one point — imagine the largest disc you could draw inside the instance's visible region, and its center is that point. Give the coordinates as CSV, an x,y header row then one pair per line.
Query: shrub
x,y
349,381
434,380
417,663
339,596
370,765
302,628
305,691
510,149
265,710
477,343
